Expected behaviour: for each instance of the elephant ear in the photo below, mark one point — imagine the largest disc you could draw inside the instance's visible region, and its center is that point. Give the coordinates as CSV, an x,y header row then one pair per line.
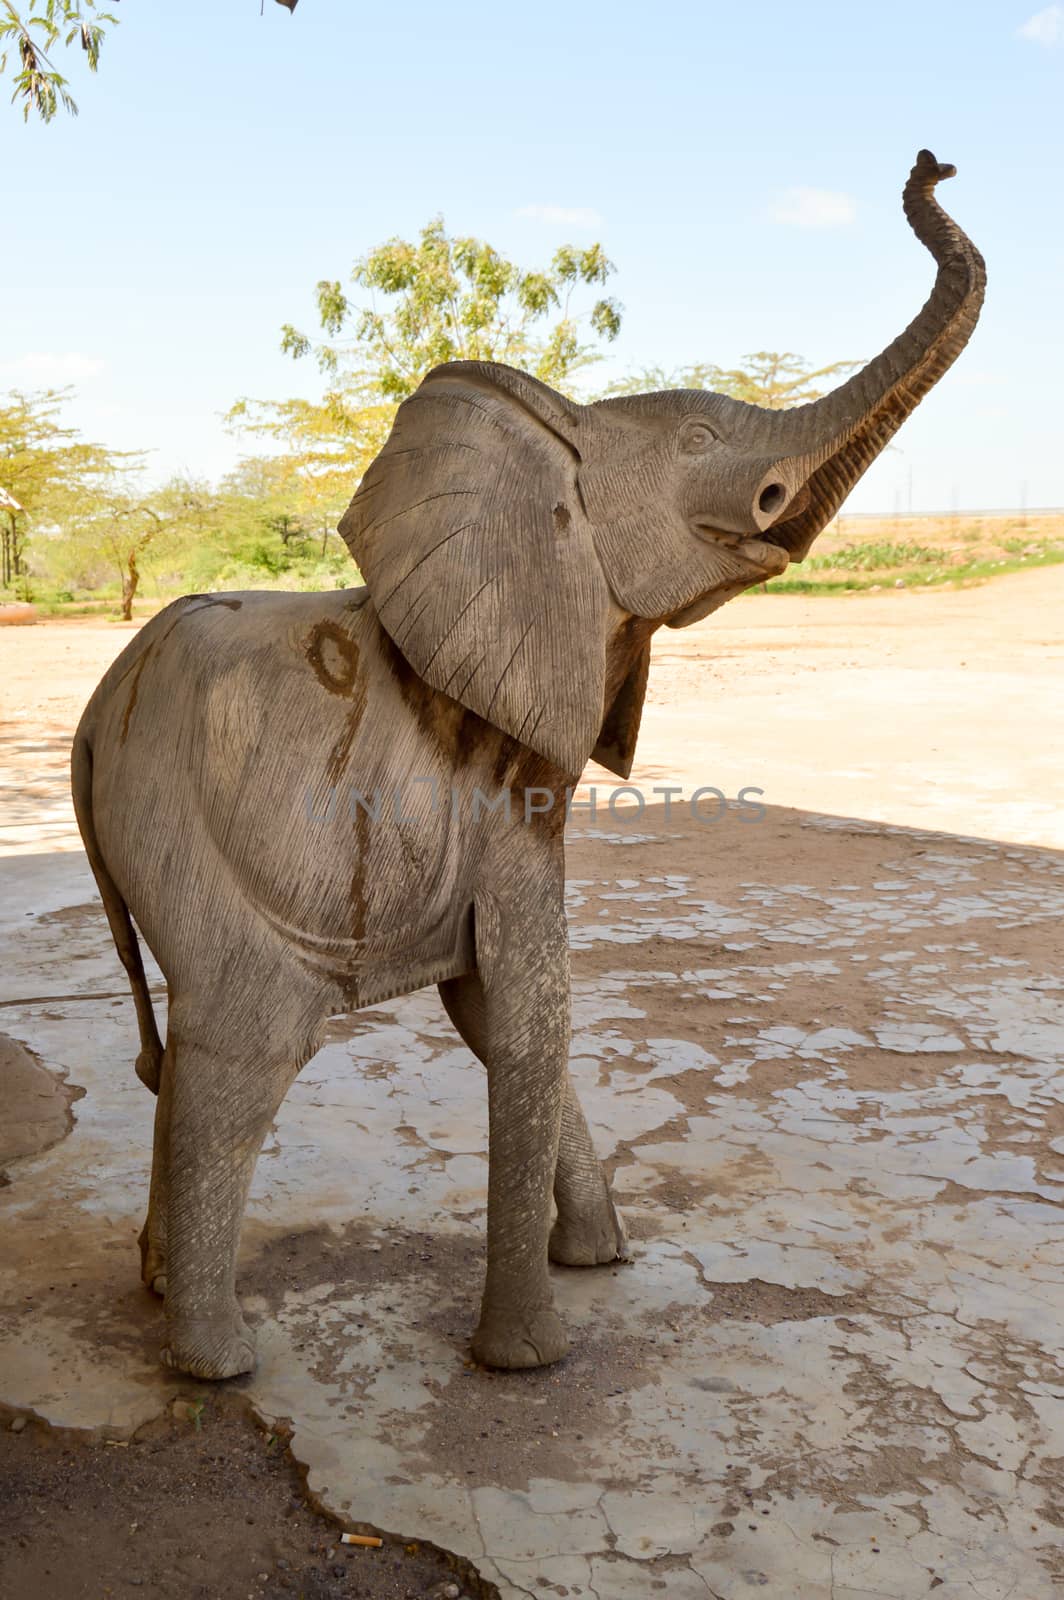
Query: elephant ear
x,y
615,749
470,535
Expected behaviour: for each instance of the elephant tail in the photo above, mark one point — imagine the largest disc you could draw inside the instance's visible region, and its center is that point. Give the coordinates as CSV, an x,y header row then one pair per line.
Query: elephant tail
x,y
149,1061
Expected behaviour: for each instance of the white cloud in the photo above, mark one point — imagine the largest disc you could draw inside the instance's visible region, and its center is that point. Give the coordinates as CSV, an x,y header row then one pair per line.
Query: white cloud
x,y
50,369
813,208
568,216
1045,27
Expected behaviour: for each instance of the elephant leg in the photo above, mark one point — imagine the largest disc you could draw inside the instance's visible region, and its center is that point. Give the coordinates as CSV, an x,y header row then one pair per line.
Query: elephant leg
x,y
152,1239
522,1033
226,1088
589,1230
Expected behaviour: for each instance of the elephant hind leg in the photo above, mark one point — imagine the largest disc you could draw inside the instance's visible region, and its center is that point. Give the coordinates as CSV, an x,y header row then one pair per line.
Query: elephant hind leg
x,y
229,1072
589,1230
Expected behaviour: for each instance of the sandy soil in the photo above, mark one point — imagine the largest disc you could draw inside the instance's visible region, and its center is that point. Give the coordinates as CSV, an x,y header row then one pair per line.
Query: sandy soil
x,y
938,709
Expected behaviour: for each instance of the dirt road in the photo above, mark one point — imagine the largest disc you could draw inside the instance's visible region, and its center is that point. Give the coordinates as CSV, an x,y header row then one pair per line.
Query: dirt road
x,y
937,709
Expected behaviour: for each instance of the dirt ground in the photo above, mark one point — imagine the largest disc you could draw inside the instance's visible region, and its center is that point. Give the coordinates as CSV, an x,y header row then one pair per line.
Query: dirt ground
x,y
936,710
201,1502
928,709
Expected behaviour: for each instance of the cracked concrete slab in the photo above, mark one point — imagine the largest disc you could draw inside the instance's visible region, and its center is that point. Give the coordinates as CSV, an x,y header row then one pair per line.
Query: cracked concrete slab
x,y
822,1055
823,1060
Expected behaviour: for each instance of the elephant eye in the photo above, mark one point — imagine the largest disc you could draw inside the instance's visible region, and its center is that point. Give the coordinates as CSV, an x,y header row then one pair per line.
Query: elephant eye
x,y
696,437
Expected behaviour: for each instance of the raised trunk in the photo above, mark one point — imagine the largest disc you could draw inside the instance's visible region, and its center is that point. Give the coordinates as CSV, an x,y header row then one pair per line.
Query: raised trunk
x,y
841,435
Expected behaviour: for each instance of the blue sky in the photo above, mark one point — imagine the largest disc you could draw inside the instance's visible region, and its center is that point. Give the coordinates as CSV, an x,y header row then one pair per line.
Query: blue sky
x,y
742,166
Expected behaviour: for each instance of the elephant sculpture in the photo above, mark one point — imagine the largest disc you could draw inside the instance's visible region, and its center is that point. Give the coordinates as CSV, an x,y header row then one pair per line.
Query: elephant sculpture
x,y
236,773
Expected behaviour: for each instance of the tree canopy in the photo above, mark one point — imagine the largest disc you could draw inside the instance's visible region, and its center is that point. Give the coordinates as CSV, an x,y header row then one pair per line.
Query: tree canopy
x,y
458,299
774,379
76,517
414,305
43,463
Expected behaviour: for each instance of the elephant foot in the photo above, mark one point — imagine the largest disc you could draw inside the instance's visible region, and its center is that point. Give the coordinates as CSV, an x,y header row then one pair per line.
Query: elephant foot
x,y
216,1347
520,1339
152,1263
590,1239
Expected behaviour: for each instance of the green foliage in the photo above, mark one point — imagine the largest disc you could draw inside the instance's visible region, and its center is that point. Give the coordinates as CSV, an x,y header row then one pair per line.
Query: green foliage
x,y
966,572
29,35
267,528
319,450
417,304
76,519
879,557
113,524
457,299
45,466
774,379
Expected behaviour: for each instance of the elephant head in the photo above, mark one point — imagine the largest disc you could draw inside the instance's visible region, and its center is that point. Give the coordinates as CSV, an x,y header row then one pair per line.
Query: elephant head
x,y
504,530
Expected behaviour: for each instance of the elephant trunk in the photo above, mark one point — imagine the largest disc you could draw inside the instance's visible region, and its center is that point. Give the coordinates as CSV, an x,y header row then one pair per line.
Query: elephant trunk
x,y
838,437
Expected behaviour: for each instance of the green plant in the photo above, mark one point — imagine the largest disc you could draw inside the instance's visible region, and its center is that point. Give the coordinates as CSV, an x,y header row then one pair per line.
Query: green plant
x,y
932,577
43,24
878,557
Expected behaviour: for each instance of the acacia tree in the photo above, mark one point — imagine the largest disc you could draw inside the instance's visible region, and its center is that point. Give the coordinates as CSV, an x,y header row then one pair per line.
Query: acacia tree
x,y
318,450
416,304
45,466
121,524
457,299
774,379
272,520
130,525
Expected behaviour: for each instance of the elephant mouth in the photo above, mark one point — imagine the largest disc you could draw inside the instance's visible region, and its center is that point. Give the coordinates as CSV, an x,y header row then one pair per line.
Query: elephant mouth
x,y
766,553
764,550
764,557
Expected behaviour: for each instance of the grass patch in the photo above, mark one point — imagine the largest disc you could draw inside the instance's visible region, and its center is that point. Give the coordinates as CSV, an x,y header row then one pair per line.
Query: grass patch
x,y
861,554
876,557
966,572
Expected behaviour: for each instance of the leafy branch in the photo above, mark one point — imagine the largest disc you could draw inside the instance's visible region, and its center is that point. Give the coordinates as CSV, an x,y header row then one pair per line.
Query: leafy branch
x,y
38,82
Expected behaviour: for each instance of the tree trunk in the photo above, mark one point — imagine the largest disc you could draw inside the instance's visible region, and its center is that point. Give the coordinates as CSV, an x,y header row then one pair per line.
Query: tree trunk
x,y
130,579
14,559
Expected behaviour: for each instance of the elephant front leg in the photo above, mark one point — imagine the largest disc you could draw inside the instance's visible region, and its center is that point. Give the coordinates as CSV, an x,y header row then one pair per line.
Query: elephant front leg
x,y
526,1047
